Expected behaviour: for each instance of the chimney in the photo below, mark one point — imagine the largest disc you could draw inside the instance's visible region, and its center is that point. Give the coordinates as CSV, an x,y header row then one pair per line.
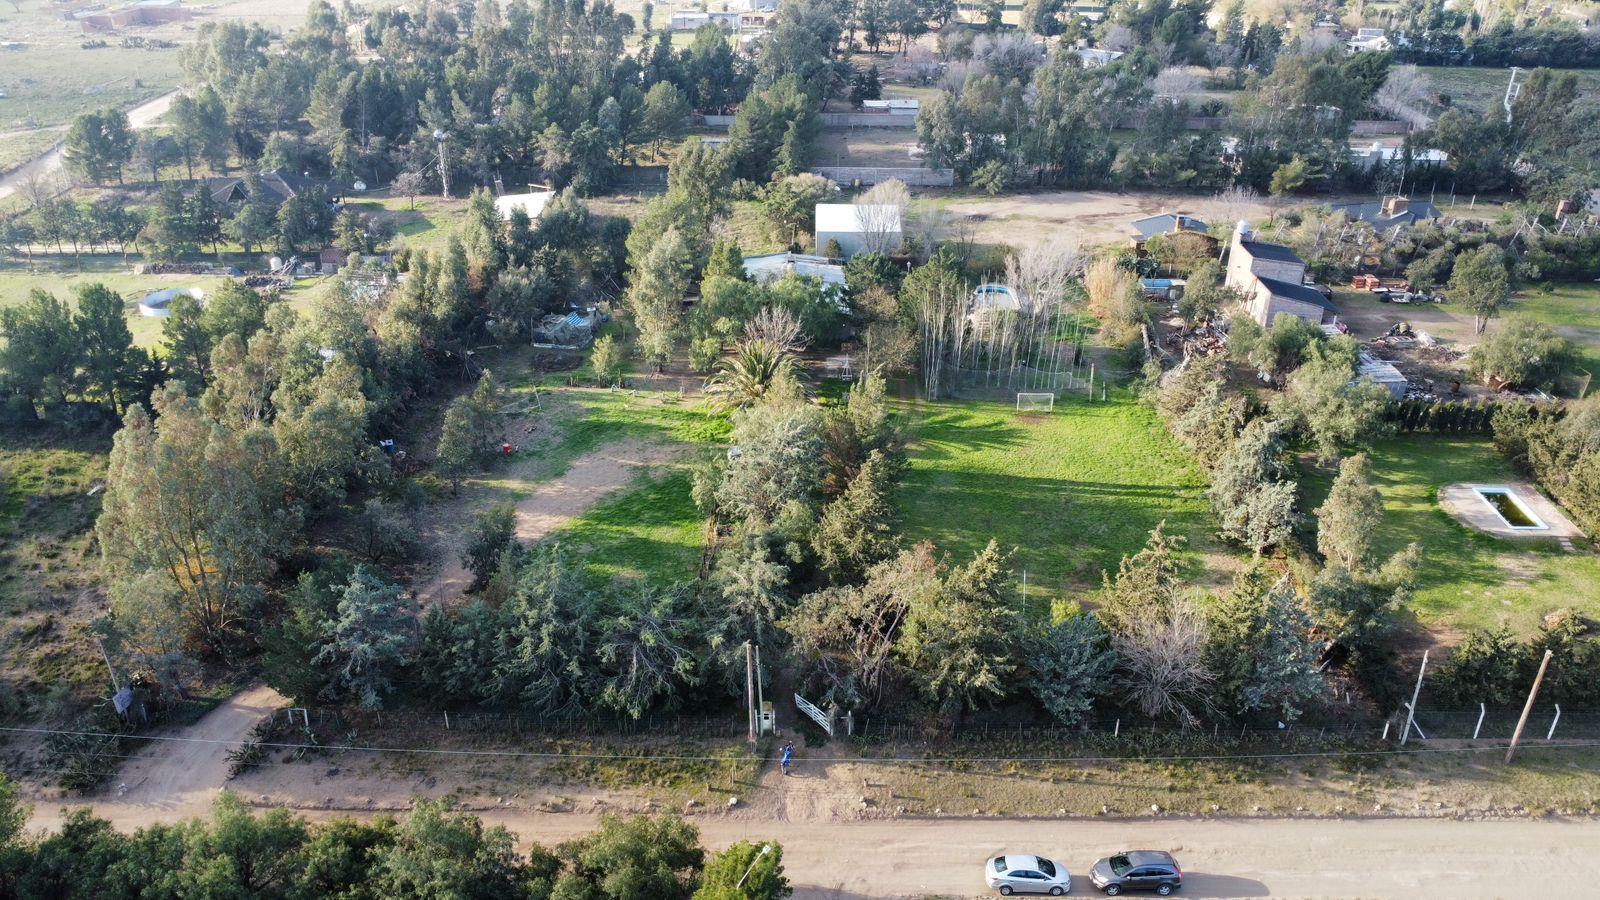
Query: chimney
x,y
1394,206
1563,209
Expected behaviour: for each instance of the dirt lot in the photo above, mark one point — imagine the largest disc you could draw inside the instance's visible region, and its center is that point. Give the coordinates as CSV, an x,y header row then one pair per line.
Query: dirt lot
x,y
1086,218
866,147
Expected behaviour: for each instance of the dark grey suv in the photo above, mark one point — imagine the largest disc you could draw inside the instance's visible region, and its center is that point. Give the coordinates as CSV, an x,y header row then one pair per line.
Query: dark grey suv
x,y
1137,870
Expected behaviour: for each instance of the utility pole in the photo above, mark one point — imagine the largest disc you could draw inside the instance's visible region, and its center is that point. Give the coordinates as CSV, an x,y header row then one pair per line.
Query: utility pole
x,y
1527,708
440,137
761,701
750,688
1513,90
1411,713
116,685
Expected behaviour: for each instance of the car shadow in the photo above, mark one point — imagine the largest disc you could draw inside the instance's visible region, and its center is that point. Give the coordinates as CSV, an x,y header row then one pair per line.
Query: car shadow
x,y
1205,884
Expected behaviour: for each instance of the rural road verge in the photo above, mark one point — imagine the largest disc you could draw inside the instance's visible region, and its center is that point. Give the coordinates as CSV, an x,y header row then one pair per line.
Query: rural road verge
x,y
142,116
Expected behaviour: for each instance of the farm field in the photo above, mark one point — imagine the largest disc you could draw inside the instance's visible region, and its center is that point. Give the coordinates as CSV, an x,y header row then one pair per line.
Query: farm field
x,y
1468,580
867,147
1073,490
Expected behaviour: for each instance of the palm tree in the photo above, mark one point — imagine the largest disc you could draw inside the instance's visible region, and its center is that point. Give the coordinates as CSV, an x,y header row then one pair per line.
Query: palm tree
x,y
751,374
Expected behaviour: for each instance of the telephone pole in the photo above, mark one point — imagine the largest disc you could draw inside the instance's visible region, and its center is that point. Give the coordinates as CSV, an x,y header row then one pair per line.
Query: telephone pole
x,y
1527,708
750,688
1411,713
440,137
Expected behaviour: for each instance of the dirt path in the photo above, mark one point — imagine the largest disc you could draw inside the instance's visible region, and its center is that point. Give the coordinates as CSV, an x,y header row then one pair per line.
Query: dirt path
x,y
547,507
183,777
140,116
1220,857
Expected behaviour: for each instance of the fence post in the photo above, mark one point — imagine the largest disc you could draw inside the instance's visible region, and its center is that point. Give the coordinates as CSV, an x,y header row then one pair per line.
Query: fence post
x,y
1553,723
447,720
1386,723
1116,730
1481,710
1411,710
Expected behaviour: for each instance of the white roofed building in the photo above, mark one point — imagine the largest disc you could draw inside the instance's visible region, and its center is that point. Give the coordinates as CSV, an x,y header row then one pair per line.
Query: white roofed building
x,y
532,204
762,269
859,228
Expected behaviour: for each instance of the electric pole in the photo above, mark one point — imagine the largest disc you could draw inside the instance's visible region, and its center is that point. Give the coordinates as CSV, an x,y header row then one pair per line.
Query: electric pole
x,y
1527,708
441,137
750,688
1411,713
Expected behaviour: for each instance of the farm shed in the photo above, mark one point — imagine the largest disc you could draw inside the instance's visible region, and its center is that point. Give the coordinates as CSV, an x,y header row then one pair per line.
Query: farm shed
x,y
859,228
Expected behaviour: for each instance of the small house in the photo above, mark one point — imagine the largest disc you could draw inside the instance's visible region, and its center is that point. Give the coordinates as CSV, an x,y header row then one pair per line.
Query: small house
x,y
859,228
1272,279
1190,235
694,20
1096,57
774,266
894,106
1390,212
277,187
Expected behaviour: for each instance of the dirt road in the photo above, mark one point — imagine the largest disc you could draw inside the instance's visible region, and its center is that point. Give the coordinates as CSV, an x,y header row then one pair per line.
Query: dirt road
x,y
183,778
547,507
1221,858
46,163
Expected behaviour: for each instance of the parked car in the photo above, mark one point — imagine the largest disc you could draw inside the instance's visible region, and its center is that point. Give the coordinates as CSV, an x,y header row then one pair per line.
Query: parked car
x,y
1017,873
1137,870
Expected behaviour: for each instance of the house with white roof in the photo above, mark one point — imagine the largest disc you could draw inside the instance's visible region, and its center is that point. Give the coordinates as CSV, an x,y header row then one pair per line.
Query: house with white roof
x,y
774,266
859,228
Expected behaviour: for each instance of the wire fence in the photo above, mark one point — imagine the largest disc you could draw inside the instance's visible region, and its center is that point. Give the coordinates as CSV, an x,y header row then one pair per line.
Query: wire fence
x,y
689,727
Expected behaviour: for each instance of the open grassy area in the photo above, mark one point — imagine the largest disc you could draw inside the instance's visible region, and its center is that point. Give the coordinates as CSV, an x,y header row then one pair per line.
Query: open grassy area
x,y
1484,89
652,532
1073,490
62,277
54,79
1469,580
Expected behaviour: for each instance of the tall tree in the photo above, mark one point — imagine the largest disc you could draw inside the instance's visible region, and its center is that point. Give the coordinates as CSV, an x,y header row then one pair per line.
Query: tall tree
x,y
112,366
1347,520
1480,282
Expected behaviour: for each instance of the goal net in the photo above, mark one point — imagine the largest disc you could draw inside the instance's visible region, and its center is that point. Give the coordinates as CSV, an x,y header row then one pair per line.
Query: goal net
x,y
1035,402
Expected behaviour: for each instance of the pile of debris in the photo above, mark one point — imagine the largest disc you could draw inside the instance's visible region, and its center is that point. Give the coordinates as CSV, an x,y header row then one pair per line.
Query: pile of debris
x,y
267,285
1207,340
179,269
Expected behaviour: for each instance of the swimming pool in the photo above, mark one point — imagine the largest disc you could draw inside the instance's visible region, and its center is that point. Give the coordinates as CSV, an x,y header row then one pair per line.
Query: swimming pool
x,y
1510,508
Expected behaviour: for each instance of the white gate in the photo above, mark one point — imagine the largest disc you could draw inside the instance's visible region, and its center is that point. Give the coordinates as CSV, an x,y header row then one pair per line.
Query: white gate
x,y
810,709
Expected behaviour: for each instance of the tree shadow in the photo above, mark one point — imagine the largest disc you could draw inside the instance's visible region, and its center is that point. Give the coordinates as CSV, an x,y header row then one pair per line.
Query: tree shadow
x,y
1206,884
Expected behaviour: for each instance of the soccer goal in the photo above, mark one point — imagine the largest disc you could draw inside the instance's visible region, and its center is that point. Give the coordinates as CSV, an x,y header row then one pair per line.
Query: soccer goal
x,y
1035,402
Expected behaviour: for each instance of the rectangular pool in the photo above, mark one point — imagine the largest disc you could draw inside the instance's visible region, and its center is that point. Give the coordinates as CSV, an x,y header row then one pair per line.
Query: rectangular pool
x,y
1511,510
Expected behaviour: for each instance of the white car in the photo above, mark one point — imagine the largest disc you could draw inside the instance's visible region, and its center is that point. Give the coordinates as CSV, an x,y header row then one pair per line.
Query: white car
x,y
1017,873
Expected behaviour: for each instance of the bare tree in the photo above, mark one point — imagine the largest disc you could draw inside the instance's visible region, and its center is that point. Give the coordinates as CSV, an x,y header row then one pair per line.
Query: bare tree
x,y
1175,83
882,226
1162,661
409,185
1120,38
1407,94
1232,205
778,327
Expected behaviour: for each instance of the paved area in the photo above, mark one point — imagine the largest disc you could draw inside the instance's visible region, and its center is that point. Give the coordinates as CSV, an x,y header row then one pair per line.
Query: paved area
x,y
1462,501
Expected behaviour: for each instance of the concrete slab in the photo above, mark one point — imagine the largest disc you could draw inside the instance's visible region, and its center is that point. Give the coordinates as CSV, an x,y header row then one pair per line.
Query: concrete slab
x,y
1462,501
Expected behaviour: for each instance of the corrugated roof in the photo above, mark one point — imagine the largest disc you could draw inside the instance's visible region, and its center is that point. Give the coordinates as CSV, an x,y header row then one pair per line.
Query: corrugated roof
x,y
1299,292
1167,223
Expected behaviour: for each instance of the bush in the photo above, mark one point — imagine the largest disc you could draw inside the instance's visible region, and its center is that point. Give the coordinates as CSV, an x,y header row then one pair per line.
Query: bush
x,y
1485,668
606,361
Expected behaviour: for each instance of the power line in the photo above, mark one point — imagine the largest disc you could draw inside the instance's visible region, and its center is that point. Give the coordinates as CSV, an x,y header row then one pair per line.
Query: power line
x,y
867,760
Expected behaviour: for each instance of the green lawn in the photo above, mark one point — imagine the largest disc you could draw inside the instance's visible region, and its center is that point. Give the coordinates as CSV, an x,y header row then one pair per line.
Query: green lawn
x,y
1073,490
1573,310
1469,579
1484,89
63,279
653,532
54,79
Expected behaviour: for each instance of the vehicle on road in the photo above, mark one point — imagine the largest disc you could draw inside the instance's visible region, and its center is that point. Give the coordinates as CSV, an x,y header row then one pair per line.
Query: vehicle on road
x,y
1137,870
1018,873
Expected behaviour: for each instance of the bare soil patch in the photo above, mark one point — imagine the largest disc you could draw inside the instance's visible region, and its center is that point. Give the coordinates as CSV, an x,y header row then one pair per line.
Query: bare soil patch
x,y
542,507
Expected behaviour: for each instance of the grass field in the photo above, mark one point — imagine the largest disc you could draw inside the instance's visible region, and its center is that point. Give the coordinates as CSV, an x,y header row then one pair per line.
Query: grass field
x,y
54,79
653,532
1469,580
1073,490
1484,89
17,282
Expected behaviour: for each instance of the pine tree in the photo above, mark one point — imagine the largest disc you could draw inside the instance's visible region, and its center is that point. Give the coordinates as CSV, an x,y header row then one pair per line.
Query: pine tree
x,y
1261,648
1251,491
1348,519
856,530
368,639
